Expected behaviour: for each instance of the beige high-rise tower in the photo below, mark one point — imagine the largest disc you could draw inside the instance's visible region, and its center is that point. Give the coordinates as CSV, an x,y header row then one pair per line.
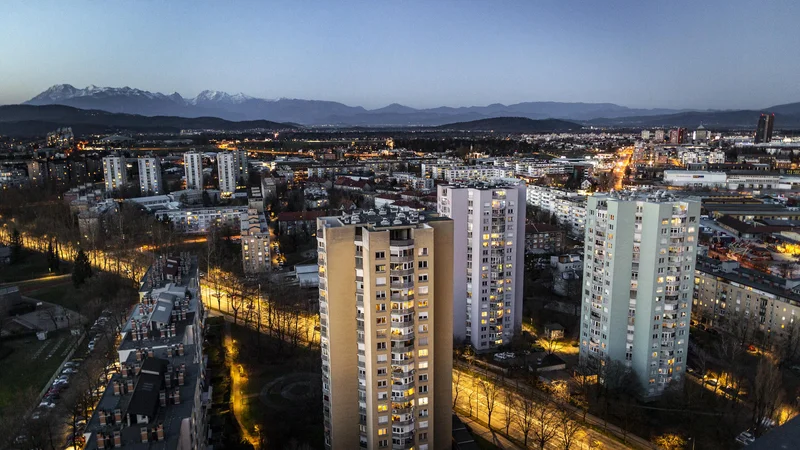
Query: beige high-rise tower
x,y
386,300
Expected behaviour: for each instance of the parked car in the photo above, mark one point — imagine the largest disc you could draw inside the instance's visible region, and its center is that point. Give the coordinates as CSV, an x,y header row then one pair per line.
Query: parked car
x,y
745,438
712,382
69,371
47,404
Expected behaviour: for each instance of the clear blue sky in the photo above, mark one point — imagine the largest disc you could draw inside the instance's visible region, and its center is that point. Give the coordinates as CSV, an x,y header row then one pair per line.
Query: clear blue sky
x,y
699,54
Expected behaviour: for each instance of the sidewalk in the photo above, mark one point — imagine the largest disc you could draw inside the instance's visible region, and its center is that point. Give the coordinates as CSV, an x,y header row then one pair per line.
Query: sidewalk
x,y
478,429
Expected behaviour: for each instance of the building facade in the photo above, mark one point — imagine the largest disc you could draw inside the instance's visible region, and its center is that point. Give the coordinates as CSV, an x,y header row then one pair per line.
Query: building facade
x,y
637,285
193,168
150,176
115,172
489,256
231,166
385,286
255,242
201,220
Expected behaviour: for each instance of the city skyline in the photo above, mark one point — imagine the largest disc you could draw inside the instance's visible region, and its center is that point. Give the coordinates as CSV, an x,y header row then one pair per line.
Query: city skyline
x,y
645,56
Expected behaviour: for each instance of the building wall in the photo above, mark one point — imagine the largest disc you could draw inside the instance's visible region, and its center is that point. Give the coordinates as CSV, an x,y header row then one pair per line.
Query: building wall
x,y
337,290
386,310
637,291
150,176
193,167
115,172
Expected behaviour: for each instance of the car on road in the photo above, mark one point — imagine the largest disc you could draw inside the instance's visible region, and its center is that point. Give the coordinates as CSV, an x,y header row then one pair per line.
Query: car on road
x,y
712,382
47,404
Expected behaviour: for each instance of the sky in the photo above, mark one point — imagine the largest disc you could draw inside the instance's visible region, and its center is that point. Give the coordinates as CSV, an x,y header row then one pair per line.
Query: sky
x,y
720,54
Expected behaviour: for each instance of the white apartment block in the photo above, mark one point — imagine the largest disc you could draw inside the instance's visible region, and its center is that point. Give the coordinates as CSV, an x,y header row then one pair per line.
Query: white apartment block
x,y
532,168
638,280
201,220
150,176
255,242
568,207
115,172
231,166
488,259
385,296
193,167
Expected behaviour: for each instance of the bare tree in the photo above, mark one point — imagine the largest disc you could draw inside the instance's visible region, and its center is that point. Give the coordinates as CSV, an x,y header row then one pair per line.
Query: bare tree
x,y
526,411
490,389
568,429
508,408
456,386
546,425
788,347
767,393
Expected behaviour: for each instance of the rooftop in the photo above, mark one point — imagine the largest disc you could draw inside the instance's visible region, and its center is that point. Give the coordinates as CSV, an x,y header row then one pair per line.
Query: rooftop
x,y
386,217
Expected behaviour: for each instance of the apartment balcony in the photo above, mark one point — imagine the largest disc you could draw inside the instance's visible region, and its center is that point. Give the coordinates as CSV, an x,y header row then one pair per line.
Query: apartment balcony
x,y
398,422
397,371
401,242
399,309
401,259
402,409
401,284
401,272
403,348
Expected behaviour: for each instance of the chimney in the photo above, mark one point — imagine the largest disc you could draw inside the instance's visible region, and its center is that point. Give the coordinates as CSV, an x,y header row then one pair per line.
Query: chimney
x,y
160,432
180,377
138,354
116,389
117,439
180,349
163,333
169,351
168,380
101,441
162,397
103,419
150,353
136,368
144,433
117,416
177,397
130,384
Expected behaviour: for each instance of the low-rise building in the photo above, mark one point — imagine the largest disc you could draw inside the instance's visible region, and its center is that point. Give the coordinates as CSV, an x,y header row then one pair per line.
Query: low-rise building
x,y
544,238
161,396
567,273
201,220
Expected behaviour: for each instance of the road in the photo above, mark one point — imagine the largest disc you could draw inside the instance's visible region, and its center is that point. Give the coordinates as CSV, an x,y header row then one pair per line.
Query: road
x,y
636,441
624,156
470,392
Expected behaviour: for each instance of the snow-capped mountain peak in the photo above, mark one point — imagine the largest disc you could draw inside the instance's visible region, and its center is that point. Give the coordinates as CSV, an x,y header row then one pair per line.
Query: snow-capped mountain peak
x,y
208,96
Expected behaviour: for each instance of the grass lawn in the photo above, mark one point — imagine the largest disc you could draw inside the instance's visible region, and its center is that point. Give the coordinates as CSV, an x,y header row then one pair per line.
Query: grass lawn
x,y
31,363
33,265
60,292
291,406
484,444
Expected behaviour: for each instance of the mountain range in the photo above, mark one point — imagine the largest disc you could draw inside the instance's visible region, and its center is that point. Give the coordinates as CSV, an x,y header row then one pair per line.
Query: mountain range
x,y
314,112
242,107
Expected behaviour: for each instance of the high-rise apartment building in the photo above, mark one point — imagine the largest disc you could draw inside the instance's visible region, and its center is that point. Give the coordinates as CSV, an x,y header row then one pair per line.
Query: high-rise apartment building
x,y
231,166
386,318
115,172
489,259
638,279
255,242
764,130
659,135
150,176
193,168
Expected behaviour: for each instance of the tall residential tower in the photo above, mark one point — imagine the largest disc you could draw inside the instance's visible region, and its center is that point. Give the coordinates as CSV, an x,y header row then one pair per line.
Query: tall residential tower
x,y
150,176
193,167
386,302
115,172
231,166
489,256
638,280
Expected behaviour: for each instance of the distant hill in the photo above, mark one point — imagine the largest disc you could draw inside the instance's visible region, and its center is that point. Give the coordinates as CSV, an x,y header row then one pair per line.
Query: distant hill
x,y
27,120
514,125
